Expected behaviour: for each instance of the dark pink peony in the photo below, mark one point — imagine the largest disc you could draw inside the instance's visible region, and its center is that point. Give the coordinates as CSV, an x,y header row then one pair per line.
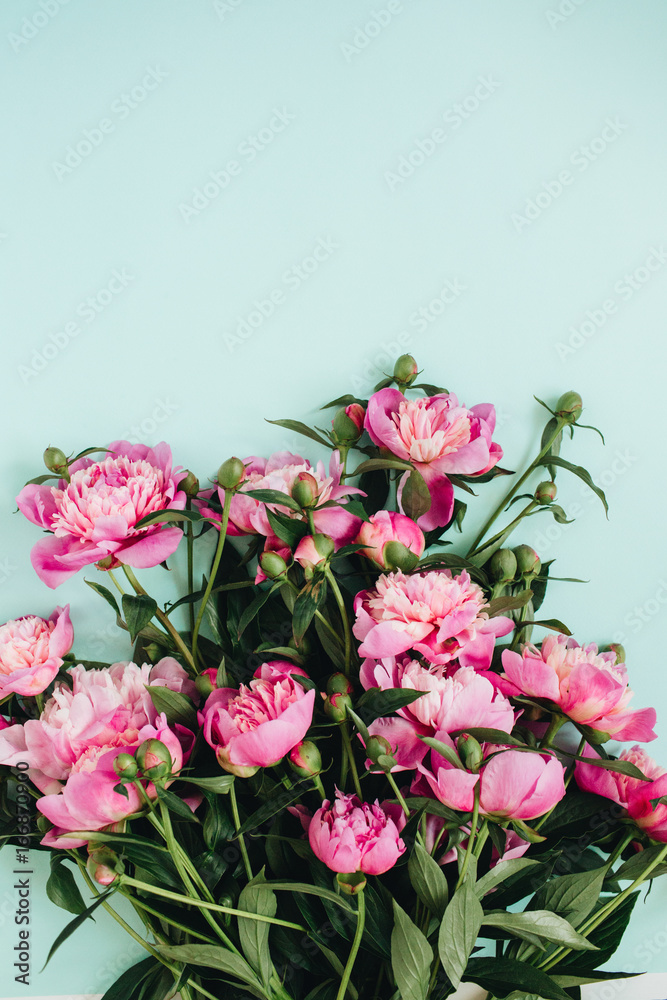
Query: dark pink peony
x,y
353,836
632,794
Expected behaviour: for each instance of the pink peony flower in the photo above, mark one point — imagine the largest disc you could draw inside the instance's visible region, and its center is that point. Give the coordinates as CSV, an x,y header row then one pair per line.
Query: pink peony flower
x,y
632,794
465,700
93,516
512,784
280,472
384,527
255,726
435,613
438,436
587,686
32,650
352,836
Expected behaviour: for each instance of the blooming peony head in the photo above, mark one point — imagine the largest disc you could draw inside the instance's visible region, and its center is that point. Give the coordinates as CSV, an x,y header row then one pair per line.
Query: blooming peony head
x,y
353,836
257,725
93,516
437,614
32,651
439,437
587,686
634,796
383,532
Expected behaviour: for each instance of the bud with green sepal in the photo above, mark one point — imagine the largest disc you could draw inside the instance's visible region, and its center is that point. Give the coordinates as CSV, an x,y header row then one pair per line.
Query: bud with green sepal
x,y
339,684
56,461
305,491
527,561
351,885
348,424
615,647
273,565
231,474
503,566
153,759
104,866
569,407
397,556
336,706
189,484
415,498
204,685
381,754
470,752
405,371
125,767
546,493
305,759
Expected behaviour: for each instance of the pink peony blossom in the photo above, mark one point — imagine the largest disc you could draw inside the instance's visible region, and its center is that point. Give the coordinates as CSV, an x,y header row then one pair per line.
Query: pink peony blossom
x,y
384,527
435,613
93,517
280,472
632,794
32,650
438,436
352,836
587,686
255,726
464,700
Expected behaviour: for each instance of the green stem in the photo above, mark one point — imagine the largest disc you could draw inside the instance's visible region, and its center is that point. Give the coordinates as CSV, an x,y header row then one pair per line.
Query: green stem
x,y
482,838
162,618
317,781
189,537
403,804
343,614
517,486
556,722
115,582
347,744
507,531
169,920
237,827
361,920
214,570
471,838
620,847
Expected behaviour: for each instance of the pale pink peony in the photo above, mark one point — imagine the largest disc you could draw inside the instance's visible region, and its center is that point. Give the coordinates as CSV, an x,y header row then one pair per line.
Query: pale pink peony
x,y
280,472
464,700
353,836
439,437
384,527
437,614
256,725
587,686
632,794
32,650
93,517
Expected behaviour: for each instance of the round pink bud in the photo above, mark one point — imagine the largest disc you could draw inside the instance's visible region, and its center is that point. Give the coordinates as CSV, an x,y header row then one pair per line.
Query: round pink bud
x,y
104,866
306,759
384,528
305,490
314,550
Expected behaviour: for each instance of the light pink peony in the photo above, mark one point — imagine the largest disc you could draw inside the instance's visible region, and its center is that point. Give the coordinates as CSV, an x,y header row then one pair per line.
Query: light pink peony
x,y
632,794
438,436
587,686
464,700
93,516
384,527
255,726
280,472
512,784
435,613
32,650
353,836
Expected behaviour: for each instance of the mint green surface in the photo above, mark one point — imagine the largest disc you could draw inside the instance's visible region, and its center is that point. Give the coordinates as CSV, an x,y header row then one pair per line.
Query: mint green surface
x,y
269,202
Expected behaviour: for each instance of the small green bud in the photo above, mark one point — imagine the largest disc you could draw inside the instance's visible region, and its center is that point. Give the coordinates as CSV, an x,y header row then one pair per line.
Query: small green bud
x,y
380,752
189,484
231,474
339,684
304,490
503,566
396,555
55,460
336,705
615,647
104,866
469,751
125,766
351,885
306,759
546,493
569,407
527,560
204,685
405,370
273,565
154,759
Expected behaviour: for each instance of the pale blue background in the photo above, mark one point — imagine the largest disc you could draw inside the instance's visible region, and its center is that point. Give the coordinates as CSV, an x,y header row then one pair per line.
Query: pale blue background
x,y
159,356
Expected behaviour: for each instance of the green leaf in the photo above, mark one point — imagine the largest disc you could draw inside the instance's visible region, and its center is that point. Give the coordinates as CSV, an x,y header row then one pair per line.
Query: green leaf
x,y
501,975
175,805
275,497
579,471
373,464
411,957
138,609
307,603
127,985
178,708
571,894
275,802
458,931
428,881
300,428
499,873
593,976
415,496
484,735
253,609
220,785
312,890
639,862
105,593
254,934
158,516
356,508
450,755
539,923
345,401
607,937
211,956
502,604
551,623
61,888
288,529
618,766
74,924
376,703
430,390
333,649
435,808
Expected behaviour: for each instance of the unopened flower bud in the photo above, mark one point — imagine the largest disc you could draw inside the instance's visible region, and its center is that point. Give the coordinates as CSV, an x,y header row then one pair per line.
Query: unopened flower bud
x,y
306,759
189,484
304,490
104,866
231,474
351,885
405,370
239,770
273,565
109,562
569,407
380,752
204,684
154,759
125,766
469,751
527,560
339,684
546,492
396,555
348,424
615,647
336,706
502,566
55,460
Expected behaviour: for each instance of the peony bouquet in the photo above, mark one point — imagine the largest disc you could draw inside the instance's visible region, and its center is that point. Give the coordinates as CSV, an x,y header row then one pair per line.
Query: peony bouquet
x,y
353,761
